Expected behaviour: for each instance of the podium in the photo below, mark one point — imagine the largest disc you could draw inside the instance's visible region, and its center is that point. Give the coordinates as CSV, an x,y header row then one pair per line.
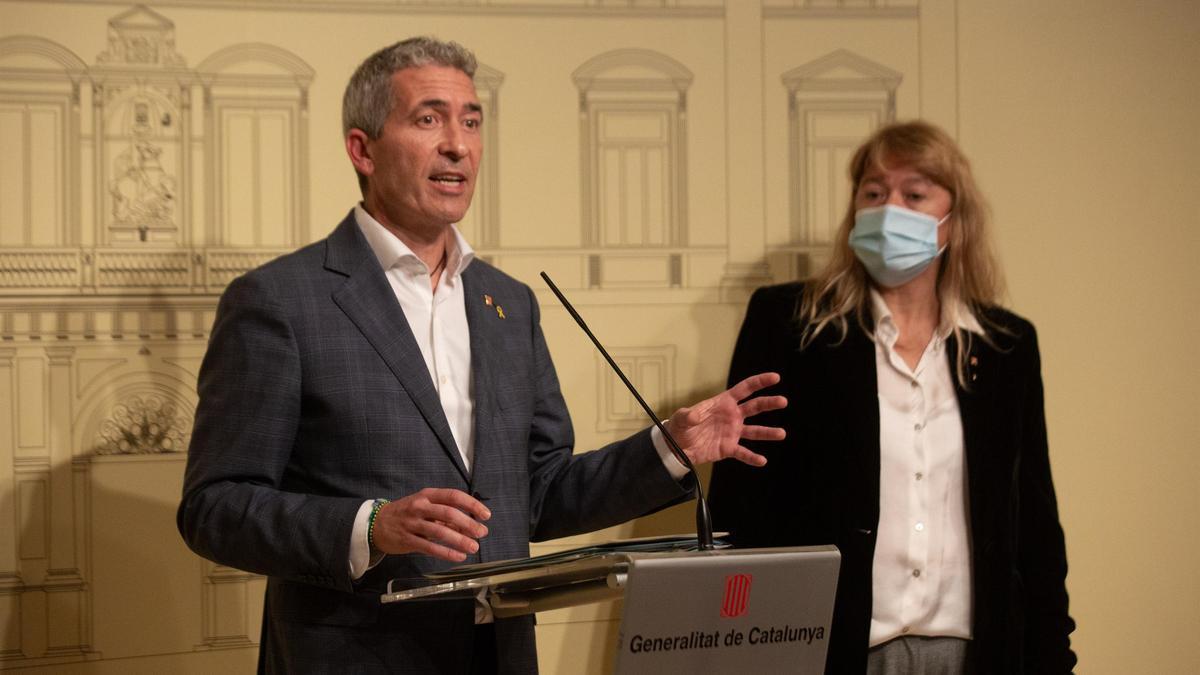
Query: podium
x,y
685,611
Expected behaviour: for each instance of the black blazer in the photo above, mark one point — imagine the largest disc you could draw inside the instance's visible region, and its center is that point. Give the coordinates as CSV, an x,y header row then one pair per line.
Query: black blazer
x,y
821,486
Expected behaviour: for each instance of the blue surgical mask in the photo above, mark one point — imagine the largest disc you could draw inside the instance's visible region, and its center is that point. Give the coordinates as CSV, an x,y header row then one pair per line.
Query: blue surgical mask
x,y
895,244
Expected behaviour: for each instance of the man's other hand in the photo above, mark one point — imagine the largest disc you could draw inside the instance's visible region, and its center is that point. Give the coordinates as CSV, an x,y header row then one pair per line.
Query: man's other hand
x,y
714,428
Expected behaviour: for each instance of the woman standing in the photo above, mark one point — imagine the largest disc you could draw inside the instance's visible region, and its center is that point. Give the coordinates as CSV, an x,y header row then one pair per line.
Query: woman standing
x,y
917,438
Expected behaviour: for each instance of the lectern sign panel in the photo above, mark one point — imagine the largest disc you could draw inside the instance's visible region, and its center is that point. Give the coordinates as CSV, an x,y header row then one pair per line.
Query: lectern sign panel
x,y
760,611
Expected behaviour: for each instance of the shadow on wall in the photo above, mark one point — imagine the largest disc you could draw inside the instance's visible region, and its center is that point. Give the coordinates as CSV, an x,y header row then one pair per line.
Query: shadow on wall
x,y
154,602
146,585
140,591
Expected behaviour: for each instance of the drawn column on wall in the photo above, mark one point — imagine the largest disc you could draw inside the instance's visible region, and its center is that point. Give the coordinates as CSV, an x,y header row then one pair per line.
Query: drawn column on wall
x,y
11,582
481,224
833,103
66,610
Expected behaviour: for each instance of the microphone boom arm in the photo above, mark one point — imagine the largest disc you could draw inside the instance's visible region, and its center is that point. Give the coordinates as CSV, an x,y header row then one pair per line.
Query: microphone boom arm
x,y
704,531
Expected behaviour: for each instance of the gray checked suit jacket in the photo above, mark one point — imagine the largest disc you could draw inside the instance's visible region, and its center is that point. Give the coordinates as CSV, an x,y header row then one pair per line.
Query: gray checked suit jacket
x,y
315,397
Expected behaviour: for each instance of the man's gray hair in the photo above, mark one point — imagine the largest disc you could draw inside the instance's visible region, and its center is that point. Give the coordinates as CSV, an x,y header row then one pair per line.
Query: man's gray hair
x,y
368,98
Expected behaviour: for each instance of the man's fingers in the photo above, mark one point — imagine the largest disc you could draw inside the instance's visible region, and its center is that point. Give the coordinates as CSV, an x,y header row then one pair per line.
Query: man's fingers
x,y
742,454
415,544
400,531
761,404
754,432
458,499
447,537
451,517
752,384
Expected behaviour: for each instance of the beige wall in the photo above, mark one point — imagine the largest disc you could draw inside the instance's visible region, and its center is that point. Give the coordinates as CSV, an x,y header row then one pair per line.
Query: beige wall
x,y
1077,116
1080,116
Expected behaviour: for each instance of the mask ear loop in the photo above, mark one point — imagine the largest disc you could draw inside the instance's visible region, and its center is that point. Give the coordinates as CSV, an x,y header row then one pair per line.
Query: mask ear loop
x,y
939,224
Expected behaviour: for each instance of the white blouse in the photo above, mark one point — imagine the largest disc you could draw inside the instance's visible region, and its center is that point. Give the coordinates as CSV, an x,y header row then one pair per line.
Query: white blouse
x,y
921,574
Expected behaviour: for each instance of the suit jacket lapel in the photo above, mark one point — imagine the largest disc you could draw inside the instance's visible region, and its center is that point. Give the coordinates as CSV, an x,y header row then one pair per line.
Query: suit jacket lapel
x,y
369,302
481,321
854,387
974,406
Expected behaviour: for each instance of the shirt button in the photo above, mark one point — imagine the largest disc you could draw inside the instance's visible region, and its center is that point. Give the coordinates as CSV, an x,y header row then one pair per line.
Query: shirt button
x,y
913,384
919,475
904,629
916,573
918,426
919,527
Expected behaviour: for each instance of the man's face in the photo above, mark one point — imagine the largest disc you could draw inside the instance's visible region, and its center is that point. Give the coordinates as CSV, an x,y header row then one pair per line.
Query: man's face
x,y
421,170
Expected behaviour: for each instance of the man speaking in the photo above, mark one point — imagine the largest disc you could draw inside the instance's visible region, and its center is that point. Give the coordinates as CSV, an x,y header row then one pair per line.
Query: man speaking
x,y
380,405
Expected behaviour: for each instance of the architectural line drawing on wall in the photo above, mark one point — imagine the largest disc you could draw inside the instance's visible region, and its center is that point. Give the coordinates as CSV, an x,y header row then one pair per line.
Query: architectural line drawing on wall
x,y
144,423
550,8
141,121
841,9
99,196
256,140
40,195
118,165
833,103
651,368
482,222
144,177
633,149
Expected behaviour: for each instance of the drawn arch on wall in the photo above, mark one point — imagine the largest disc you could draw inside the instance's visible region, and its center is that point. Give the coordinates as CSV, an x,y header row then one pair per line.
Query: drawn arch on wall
x,y
834,102
256,144
110,410
39,123
633,149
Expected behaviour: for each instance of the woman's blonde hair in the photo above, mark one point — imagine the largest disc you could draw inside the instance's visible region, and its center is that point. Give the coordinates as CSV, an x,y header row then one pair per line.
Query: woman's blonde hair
x,y
969,278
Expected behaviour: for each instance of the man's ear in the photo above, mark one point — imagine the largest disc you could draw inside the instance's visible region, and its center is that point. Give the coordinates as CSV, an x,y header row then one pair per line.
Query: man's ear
x,y
358,147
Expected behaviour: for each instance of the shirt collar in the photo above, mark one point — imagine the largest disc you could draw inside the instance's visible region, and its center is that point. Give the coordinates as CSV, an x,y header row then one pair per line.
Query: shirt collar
x,y
391,252
956,315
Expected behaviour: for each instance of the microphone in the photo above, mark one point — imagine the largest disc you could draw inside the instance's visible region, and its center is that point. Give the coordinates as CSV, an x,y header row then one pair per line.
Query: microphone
x,y
704,528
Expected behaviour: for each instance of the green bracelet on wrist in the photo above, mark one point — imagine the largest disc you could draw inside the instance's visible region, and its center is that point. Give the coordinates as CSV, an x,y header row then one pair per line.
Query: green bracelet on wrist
x,y
375,508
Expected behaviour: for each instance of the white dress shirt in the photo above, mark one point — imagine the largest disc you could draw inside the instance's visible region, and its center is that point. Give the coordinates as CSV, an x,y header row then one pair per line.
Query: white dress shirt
x,y
438,320
921,574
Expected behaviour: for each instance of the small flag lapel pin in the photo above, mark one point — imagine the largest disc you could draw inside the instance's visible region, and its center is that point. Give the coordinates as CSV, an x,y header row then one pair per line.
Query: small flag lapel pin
x,y
487,300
